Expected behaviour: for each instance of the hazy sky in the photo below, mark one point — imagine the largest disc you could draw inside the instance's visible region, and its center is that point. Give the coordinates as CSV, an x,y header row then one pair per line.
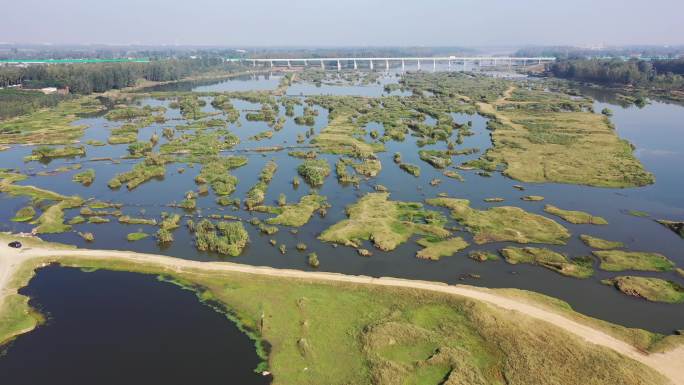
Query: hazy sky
x,y
344,22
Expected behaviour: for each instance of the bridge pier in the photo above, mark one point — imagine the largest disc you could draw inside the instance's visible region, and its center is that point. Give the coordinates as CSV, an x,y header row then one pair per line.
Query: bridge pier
x,y
339,66
271,63
418,64
288,64
387,65
322,65
449,61
403,65
371,64
434,65
355,65
253,63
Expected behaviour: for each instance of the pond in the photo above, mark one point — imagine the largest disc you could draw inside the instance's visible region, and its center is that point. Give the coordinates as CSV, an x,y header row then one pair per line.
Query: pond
x,y
109,327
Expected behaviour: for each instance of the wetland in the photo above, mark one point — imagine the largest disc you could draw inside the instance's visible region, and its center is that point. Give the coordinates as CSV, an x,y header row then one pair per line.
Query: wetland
x,y
382,175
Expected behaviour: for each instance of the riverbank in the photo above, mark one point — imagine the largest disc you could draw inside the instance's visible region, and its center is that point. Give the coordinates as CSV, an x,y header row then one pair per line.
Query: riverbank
x,y
518,316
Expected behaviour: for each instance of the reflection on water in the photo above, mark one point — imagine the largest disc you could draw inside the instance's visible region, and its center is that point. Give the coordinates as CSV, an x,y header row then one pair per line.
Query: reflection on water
x,y
123,328
655,130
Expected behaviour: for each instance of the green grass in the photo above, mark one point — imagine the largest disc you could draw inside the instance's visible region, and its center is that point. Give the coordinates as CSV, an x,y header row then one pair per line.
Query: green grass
x,y
410,168
314,171
24,214
618,260
637,213
298,214
51,125
126,219
339,137
97,220
45,153
504,223
652,289
256,194
216,173
576,217
436,158
8,186
384,222
360,334
434,249
52,219
132,237
598,243
85,178
150,168
546,137
227,238
578,268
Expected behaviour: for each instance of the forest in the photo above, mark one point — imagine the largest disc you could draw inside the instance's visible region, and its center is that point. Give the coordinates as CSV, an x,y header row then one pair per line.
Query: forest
x,y
665,74
100,77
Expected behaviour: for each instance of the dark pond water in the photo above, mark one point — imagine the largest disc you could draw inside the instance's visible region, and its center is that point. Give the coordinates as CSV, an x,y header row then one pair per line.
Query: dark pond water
x,y
656,131
122,328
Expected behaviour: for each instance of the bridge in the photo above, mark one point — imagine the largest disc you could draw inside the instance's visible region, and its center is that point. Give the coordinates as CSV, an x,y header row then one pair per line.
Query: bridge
x,y
373,62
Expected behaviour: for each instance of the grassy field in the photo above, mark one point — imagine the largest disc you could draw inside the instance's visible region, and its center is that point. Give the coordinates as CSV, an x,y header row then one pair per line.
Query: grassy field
x,y
652,289
504,223
434,249
385,222
545,137
339,137
598,243
51,125
298,214
314,332
576,217
578,268
618,260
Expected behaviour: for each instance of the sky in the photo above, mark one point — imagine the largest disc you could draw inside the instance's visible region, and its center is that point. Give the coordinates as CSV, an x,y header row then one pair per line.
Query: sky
x,y
344,22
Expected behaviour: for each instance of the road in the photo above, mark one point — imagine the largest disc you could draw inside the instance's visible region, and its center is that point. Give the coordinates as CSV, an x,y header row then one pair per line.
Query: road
x,y
670,363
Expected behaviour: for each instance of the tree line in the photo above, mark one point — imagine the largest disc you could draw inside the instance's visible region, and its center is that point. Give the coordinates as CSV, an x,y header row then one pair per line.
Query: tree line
x,y
100,77
666,74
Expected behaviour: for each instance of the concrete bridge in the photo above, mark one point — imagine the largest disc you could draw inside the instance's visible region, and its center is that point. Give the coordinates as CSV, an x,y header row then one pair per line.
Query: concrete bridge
x,y
457,62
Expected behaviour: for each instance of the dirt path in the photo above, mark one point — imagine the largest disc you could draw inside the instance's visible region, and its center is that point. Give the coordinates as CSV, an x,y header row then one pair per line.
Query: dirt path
x,y
670,363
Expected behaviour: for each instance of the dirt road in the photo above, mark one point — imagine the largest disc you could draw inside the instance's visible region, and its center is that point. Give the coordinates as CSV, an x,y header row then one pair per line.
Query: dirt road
x,y
670,364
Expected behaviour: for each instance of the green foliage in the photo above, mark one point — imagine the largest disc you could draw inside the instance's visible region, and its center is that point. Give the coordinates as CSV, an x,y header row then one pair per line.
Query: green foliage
x,y
256,195
228,238
151,167
132,237
24,214
504,223
14,102
216,173
618,260
85,178
578,268
314,171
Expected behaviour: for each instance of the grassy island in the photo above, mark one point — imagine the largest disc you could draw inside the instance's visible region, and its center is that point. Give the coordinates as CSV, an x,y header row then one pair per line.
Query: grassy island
x,y
618,260
577,268
576,217
652,289
384,222
504,223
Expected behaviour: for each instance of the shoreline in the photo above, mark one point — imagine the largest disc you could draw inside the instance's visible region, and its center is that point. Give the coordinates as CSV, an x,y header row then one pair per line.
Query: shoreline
x,y
667,363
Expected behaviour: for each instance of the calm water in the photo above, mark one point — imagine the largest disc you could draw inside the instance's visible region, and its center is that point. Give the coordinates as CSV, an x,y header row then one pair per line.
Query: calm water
x,y
123,328
656,130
